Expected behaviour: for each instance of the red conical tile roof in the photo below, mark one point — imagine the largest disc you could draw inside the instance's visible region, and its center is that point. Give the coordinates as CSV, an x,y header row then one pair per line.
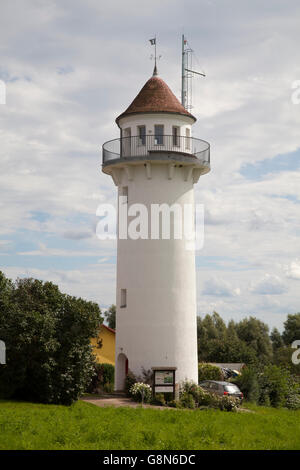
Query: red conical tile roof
x,y
155,97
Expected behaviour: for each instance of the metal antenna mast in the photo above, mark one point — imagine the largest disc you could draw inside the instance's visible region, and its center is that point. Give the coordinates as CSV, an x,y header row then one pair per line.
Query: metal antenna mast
x,y
187,73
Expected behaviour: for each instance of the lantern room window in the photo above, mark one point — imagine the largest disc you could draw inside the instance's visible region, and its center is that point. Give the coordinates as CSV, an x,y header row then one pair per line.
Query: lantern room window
x,y
159,134
142,135
188,138
175,133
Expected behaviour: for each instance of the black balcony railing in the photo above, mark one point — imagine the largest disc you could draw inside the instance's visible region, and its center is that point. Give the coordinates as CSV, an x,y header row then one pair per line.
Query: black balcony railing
x,y
147,145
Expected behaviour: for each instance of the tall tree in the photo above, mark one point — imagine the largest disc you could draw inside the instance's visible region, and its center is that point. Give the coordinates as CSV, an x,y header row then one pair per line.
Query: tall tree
x,y
255,335
276,338
110,316
291,330
47,336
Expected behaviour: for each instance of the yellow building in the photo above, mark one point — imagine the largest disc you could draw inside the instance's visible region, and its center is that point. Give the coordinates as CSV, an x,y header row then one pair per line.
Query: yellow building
x,y
106,353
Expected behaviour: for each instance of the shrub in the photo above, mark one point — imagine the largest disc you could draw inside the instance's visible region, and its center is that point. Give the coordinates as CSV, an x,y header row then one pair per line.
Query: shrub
x,y
191,395
108,373
103,378
274,385
248,384
293,401
200,397
108,387
209,372
168,396
47,335
227,403
159,399
187,401
203,398
141,392
174,404
130,380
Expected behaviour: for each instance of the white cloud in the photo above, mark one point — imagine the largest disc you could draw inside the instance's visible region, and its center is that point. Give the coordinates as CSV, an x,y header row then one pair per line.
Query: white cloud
x,y
293,270
220,288
270,284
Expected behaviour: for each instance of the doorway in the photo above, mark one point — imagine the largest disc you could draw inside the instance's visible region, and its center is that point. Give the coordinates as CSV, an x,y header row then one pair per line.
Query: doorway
x,y
121,371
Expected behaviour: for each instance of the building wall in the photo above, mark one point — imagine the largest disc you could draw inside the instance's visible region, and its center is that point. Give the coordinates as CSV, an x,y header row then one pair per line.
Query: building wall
x,y
158,325
149,120
106,354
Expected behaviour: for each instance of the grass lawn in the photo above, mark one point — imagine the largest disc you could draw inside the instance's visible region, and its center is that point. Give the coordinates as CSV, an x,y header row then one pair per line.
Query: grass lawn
x,y
85,426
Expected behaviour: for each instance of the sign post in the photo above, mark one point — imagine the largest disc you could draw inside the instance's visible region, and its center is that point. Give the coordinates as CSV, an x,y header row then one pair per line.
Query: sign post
x,y
164,380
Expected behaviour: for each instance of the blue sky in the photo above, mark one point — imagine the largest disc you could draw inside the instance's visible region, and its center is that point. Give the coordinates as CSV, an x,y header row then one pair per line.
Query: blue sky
x,y
71,67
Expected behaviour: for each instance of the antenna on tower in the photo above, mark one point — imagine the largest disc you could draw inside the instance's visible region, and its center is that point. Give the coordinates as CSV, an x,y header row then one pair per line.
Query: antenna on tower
x,y
187,73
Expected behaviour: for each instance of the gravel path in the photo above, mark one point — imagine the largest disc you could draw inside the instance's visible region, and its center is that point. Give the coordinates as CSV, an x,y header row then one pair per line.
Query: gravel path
x,y
119,401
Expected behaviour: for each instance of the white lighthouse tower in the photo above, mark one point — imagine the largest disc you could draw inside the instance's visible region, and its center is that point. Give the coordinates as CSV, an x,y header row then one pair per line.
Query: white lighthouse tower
x,y
156,161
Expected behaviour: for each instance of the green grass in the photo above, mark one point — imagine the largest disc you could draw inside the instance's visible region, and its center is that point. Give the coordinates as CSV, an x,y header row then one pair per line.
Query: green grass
x,y
85,426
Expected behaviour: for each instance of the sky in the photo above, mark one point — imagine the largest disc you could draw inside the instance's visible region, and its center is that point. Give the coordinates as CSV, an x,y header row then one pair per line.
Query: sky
x,y
71,67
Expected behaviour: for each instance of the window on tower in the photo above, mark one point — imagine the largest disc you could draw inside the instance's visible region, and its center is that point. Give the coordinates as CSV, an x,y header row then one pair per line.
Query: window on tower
x,y
123,298
175,133
188,138
159,134
142,135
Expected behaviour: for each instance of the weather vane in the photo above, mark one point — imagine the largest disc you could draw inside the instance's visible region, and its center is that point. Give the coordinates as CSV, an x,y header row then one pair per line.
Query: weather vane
x,y
153,43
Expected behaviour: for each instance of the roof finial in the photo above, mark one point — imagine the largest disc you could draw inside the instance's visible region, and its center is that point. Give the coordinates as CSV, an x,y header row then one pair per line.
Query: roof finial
x,y
153,43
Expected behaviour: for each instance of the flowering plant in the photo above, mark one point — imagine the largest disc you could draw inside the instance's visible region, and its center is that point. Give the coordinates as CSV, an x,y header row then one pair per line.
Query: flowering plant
x,y
141,392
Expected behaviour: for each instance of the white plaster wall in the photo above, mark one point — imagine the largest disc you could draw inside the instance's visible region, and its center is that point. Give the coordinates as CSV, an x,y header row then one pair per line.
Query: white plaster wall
x,y
150,120
158,325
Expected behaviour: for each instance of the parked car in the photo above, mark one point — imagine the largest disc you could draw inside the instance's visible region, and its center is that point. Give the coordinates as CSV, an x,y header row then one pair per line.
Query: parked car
x,y
222,388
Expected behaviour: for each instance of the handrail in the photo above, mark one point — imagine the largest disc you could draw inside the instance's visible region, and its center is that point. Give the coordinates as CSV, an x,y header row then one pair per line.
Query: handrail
x,y
147,145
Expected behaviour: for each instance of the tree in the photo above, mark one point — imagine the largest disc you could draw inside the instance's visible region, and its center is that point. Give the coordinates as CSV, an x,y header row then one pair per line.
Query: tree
x,y
47,336
276,338
110,316
218,343
291,329
209,372
255,335
274,385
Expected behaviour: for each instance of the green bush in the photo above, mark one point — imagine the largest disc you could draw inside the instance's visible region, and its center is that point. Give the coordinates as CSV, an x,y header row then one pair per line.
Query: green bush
x,y
103,378
174,404
248,384
168,397
274,385
159,399
188,387
129,381
227,403
47,336
187,401
268,386
209,372
293,401
203,398
108,373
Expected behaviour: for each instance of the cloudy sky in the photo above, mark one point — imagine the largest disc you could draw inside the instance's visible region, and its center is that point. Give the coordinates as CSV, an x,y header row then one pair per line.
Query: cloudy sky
x,y
70,67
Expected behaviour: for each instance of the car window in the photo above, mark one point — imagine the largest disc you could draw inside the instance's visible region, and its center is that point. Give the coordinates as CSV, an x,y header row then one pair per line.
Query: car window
x,y
214,386
231,388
